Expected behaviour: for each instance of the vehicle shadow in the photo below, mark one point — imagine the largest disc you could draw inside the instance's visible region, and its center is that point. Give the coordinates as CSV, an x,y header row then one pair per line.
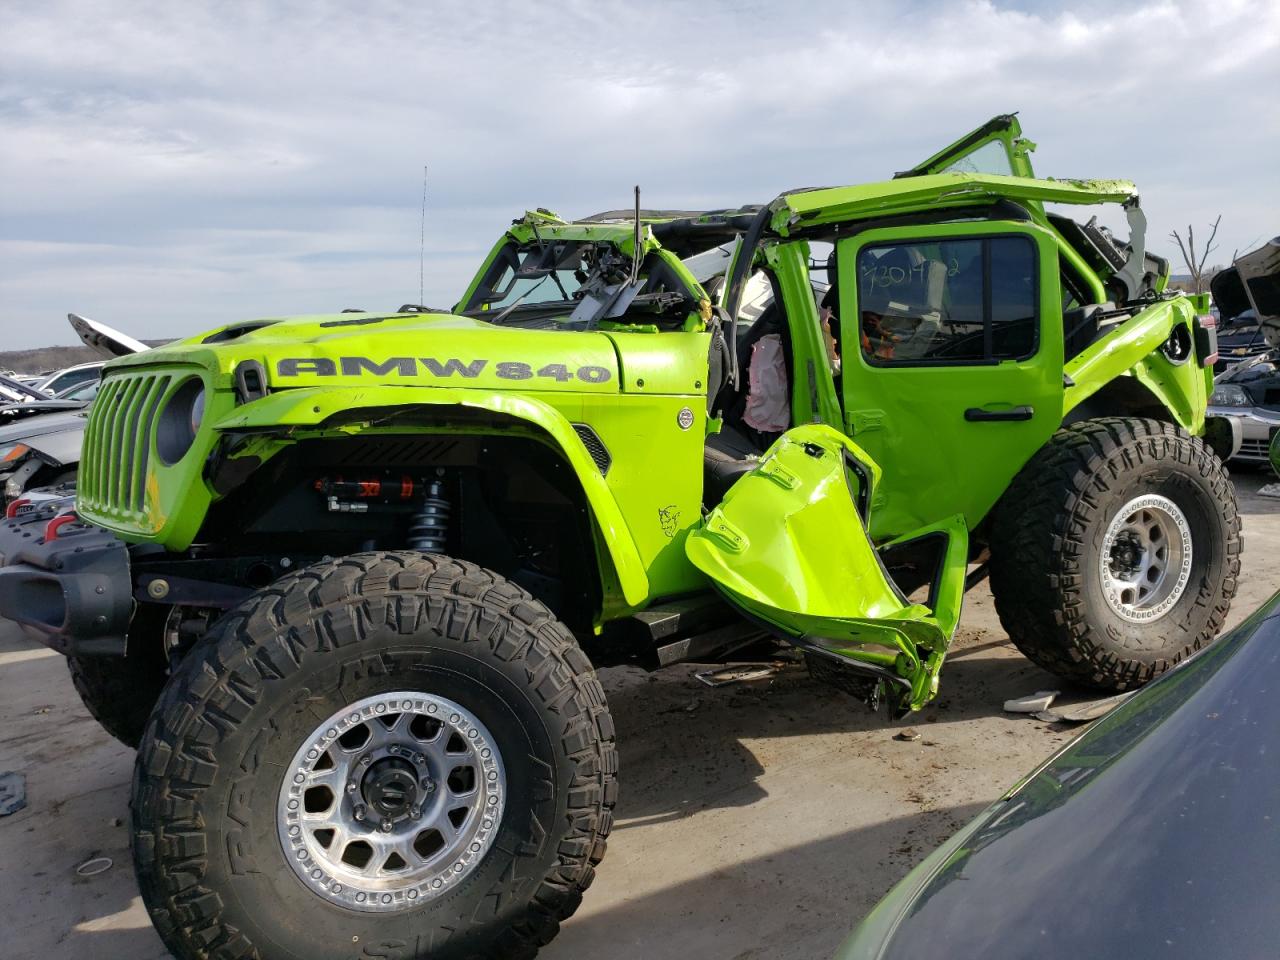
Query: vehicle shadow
x,y
799,902
684,746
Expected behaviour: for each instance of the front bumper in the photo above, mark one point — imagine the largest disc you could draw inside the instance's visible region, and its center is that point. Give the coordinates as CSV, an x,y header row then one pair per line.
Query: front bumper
x,y
1257,426
72,593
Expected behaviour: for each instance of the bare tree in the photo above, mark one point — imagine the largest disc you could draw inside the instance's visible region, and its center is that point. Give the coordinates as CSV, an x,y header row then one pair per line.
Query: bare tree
x,y
1195,264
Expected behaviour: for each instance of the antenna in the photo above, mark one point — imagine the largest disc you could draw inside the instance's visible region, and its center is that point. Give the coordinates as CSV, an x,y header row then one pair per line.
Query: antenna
x,y
635,248
422,241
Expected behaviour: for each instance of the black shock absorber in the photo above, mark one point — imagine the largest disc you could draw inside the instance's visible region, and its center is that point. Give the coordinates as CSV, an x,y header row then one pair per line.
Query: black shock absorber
x,y
429,528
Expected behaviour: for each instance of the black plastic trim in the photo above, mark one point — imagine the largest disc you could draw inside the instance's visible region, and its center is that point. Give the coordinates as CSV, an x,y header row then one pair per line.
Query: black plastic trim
x,y
73,593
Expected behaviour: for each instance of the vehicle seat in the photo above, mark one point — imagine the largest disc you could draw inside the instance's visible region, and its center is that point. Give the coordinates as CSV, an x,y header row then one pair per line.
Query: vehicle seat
x,y
726,457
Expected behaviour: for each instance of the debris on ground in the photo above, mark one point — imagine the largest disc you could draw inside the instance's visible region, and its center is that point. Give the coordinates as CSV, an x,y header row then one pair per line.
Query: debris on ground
x,y
739,673
13,792
1037,702
95,866
908,735
1270,490
1087,710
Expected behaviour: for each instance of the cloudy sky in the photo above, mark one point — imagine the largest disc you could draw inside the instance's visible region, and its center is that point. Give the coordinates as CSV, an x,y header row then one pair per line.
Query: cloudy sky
x,y
170,167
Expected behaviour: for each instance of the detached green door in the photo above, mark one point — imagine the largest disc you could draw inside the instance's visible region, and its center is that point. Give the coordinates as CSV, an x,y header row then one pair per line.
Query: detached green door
x,y
951,347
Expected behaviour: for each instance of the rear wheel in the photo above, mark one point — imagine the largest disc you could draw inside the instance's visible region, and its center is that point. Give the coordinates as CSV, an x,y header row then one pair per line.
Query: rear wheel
x,y
1115,551
383,755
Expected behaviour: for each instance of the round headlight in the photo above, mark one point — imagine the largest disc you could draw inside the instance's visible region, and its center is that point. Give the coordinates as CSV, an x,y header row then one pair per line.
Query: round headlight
x,y
179,422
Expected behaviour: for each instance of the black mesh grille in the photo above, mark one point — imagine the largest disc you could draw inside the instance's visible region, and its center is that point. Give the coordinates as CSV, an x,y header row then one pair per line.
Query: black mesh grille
x,y
595,446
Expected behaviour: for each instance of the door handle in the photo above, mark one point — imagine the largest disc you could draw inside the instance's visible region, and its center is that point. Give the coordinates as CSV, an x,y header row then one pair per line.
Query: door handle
x,y
977,414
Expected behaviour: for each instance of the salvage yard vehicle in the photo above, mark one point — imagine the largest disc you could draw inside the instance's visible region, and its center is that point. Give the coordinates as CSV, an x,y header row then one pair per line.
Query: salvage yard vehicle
x,y
363,564
1245,403
41,436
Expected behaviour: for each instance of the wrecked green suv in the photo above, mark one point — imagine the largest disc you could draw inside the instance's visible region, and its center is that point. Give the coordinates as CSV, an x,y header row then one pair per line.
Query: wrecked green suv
x,y
344,578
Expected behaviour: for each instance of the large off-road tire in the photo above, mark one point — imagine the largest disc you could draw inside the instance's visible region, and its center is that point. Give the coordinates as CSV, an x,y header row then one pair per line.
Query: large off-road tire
x,y
387,677
119,692
1115,551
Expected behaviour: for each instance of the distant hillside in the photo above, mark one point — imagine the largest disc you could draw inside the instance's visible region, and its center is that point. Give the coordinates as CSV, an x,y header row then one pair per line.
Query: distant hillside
x,y
44,359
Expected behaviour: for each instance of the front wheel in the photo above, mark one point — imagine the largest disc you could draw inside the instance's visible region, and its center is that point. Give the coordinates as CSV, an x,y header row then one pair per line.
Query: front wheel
x,y
1115,551
389,754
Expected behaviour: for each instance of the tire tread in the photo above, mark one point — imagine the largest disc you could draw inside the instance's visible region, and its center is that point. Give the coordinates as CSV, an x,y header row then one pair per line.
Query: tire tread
x,y
1038,541
232,668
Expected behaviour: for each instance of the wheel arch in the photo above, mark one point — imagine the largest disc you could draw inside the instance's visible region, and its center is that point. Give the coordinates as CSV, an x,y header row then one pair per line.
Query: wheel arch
x,y
315,413
1124,396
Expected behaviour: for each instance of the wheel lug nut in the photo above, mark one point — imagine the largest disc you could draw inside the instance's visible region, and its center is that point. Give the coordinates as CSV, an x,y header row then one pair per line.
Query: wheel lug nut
x,y
415,811
358,811
351,786
428,785
385,826
393,750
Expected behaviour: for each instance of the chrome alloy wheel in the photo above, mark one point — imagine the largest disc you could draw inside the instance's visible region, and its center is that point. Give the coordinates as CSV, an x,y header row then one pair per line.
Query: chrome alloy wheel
x,y
391,801
1145,564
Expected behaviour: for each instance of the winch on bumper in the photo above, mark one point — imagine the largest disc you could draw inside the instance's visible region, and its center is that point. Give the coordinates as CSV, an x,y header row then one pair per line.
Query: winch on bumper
x,y
67,584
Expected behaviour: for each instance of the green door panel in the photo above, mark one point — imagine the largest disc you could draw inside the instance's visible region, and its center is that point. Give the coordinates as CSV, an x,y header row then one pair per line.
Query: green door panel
x,y
787,545
949,429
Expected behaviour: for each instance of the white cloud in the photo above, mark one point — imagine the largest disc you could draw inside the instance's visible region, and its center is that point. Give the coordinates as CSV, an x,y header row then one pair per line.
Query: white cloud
x,y
169,167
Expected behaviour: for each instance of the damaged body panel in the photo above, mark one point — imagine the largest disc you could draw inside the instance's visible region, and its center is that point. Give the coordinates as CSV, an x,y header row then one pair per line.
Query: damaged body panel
x,y
789,546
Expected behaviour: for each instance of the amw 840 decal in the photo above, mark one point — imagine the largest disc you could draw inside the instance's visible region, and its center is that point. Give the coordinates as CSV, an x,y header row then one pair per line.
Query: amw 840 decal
x,y
409,367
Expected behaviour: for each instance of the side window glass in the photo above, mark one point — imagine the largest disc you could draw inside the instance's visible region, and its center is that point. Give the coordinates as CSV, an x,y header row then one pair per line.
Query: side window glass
x,y
948,301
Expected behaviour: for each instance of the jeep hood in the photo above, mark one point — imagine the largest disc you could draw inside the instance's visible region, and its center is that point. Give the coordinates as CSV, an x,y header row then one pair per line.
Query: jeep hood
x,y
402,349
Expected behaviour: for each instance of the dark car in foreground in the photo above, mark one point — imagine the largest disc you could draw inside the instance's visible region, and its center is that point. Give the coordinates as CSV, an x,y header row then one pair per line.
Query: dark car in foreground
x,y
1155,834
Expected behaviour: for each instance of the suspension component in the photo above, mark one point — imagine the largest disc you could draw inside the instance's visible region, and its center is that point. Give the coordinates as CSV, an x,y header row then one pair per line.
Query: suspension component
x,y
429,528
378,489
354,496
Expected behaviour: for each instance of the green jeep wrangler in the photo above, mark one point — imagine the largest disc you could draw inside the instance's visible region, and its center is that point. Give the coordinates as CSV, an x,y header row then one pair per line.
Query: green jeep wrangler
x,y
343,579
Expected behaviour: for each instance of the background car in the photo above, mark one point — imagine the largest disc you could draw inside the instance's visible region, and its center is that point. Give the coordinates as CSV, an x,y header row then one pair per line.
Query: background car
x,y
1154,834
1244,410
40,436
1247,398
1239,338
13,390
68,377
39,452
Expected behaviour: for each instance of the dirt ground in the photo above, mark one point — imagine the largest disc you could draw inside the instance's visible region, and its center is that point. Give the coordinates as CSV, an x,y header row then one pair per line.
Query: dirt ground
x,y
757,820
